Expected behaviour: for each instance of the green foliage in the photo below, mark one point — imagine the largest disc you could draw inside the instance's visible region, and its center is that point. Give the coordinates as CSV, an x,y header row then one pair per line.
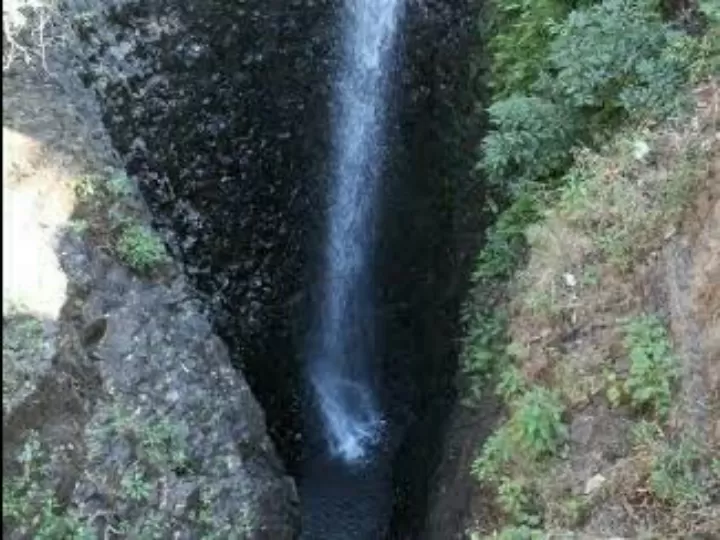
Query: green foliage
x,y
684,471
159,444
505,242
135,485
97,188
140,248
646,434
109,211
519,533
704,52
485,344
515,498
530,141
159,450
497,452
484,351
617,57
511,385
30,507
537,423
653,366
676,475
624,202
22,347
522,32
534,431
614,388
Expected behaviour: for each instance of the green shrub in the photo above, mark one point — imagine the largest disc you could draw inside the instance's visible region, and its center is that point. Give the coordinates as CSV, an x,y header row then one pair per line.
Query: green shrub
x,y
518,533
537,424
534,431
653,366
23,343
511,385
521,36
704,52
140,248
484,351
617,58
505,241
530,141
625,200
497,452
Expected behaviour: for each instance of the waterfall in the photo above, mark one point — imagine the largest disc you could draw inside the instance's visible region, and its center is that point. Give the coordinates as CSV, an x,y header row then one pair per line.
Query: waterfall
x,y
342,354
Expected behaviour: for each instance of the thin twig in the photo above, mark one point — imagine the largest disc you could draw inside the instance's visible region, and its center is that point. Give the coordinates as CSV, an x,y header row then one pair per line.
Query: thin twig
x,y
7,30
42,40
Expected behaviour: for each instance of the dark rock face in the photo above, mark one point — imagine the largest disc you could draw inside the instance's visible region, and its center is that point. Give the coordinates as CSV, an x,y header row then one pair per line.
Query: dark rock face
x,y
127,416
159,358
219,110
427,241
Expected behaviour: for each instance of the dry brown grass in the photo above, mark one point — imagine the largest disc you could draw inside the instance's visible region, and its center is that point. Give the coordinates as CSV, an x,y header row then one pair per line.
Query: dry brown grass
x,y
604,253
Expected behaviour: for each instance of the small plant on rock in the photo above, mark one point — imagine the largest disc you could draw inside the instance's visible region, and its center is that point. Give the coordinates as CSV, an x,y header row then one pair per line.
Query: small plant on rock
x,y
140,248
30,506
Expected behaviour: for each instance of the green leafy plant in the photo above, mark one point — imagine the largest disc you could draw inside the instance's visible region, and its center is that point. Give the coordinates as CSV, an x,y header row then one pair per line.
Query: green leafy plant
x,y
140,248
676,475
522,532
653,366
135,485
30,506
534,431
537,424
704,52
484,353
521,35
516,499
616,57
614,388
497,452
531,140
506,240
511,385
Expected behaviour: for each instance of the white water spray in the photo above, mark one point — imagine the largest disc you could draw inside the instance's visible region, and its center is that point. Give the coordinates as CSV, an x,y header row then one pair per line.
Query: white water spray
x,y
342,353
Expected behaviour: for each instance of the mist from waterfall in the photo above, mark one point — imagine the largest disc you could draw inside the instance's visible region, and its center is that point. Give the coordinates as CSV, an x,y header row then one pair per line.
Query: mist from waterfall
x,y
342,352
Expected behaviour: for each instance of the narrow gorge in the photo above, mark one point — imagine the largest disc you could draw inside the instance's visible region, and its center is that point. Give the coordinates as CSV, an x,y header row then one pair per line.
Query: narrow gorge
x,y
299,153
301,160
361,269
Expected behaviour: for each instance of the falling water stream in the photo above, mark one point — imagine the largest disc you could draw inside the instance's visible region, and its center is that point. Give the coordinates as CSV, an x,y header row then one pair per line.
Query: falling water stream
x,y
340,365
344,480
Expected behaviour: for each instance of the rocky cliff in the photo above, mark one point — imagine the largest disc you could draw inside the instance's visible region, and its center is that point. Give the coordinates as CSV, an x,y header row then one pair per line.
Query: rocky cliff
x,y
122,415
